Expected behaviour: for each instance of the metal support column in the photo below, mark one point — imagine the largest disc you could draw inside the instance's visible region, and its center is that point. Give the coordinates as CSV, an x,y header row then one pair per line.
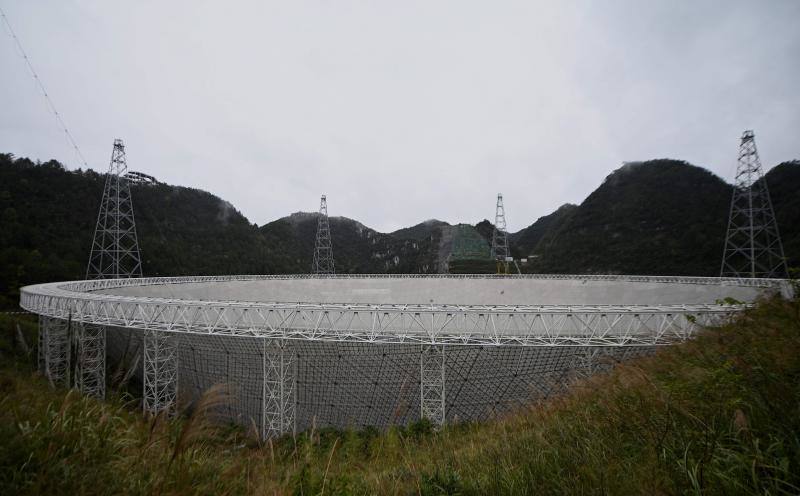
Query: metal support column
x,y
278,396
54,350
160,364
431,387
585,362
500,251
90,360
753,245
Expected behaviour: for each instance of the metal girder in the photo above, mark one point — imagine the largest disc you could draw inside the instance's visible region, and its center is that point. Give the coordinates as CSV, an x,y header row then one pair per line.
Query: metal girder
x,y
54,350
90,360
432,384
160,372
279,389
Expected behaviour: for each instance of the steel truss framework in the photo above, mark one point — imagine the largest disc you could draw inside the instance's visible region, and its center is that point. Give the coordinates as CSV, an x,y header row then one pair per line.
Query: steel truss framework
x,y
500,237
279,388
160,372
296,365
523,325
54,350
432,384
752,245
90,360
115,254
323,248
115,248
361,384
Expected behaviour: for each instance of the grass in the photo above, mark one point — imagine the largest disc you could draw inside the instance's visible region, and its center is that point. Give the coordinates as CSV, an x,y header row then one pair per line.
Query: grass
x,y
717,415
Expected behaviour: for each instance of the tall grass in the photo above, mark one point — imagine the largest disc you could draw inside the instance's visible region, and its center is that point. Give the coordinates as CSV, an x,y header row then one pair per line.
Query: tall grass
x,y
718,415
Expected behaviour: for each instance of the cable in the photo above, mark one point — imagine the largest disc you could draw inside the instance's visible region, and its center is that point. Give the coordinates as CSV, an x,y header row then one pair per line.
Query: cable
x,y
52,107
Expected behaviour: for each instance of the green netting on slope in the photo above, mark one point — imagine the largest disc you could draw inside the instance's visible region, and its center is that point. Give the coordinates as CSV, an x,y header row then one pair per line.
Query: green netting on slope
x,y
468,244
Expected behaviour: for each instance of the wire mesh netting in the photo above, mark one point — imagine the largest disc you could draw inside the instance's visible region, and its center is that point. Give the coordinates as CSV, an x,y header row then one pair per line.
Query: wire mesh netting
x,y
357,385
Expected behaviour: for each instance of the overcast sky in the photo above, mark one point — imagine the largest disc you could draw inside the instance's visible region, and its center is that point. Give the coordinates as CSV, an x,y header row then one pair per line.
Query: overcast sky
x,y
402,111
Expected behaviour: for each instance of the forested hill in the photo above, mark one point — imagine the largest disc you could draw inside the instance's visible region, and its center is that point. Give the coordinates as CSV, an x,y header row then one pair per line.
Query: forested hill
x,y
48,215
356,248
656,217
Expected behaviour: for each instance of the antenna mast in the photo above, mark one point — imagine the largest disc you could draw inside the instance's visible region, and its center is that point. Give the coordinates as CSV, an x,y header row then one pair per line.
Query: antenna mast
x,y
323,250
500,237
752,245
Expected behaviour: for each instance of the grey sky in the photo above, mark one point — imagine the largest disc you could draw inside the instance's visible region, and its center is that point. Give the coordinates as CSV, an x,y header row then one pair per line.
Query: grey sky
x,y
402,111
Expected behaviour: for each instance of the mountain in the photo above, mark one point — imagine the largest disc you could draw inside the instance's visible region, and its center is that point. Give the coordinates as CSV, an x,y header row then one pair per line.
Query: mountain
x,y
783,182
420,231
357,249
655,217
48,215
523,242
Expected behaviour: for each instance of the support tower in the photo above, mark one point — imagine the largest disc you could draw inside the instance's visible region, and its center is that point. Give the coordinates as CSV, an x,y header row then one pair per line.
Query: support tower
x,y
115,249
752,245
500,238
114,255
323,249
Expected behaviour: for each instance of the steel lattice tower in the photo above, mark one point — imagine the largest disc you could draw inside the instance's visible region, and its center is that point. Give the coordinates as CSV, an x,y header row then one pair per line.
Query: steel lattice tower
x,y
323,249
500,237
114,255
115,249
752,245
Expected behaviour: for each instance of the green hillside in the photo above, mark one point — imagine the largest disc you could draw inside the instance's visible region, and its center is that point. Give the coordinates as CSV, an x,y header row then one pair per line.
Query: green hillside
x,y
49,214
420,231
527,240
783,181
656,217
357,249
47,218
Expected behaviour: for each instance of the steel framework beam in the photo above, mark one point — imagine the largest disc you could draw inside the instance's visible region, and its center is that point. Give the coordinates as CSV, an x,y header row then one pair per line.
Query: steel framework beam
x,y
522,325
54,350
432,384
279,394
90,360
160,365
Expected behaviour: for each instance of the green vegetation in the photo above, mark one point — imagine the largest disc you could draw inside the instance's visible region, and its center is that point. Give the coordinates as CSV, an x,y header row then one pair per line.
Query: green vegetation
x,y
718,415
660,217
471,253
656,217
48,215
468,244
357,249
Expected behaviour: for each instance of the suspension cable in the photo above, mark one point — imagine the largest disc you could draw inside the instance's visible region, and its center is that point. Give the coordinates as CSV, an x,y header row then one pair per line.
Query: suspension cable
x,y
50,104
